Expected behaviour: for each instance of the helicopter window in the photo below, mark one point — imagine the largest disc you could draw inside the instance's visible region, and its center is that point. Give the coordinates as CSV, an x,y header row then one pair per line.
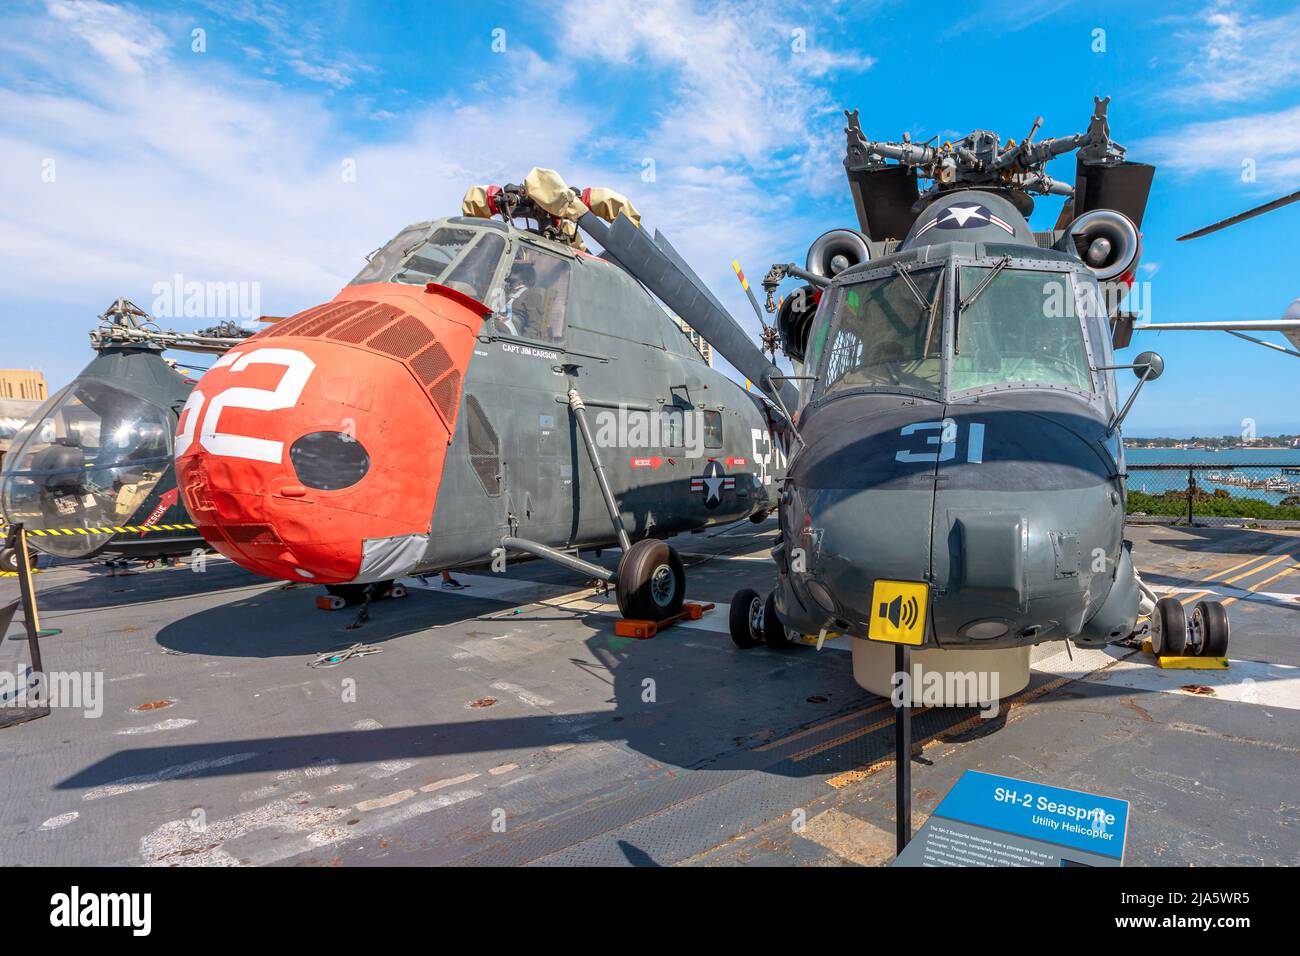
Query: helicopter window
x,y
1021,328
671,427
430,260
382,263
329,461
535,296
888,331
473,274
713,429
89,460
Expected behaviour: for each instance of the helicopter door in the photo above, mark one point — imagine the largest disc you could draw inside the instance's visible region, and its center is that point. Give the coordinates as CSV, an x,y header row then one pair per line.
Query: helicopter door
x,y
529,338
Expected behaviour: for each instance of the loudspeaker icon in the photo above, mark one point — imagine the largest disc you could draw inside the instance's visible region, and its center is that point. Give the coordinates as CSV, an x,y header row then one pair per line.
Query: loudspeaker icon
x,y
896,611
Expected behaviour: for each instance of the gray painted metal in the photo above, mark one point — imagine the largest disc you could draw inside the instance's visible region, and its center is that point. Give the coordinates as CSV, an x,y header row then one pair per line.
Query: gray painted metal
x,y
625,356
1012,511
662,270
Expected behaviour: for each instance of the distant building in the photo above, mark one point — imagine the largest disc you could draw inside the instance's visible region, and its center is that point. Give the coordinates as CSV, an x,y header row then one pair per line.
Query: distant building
x,y
701,346
23,383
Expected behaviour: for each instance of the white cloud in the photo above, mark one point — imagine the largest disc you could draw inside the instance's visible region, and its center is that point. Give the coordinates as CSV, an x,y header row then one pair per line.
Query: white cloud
x,y
1240,55
737,79
1269,141
182,164
123,39
185,166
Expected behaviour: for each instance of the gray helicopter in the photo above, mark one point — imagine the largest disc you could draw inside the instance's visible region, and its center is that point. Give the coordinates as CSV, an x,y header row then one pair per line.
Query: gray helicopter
x,y
957,480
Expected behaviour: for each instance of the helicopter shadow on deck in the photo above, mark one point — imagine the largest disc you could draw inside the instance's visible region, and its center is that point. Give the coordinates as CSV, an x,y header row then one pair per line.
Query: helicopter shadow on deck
x,y
97,590
710,705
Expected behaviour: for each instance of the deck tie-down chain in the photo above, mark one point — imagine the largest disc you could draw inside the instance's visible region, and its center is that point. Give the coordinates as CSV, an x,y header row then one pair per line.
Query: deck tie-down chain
x,y
335,658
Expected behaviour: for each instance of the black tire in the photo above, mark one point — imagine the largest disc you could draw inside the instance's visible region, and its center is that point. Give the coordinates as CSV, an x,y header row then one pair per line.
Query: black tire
x,y
758,517
1211,619
355,594
651,583
9,559
1168,628
746,619
774,631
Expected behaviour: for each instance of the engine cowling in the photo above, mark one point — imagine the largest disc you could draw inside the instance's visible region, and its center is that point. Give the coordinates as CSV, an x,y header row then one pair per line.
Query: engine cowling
x,y
794,320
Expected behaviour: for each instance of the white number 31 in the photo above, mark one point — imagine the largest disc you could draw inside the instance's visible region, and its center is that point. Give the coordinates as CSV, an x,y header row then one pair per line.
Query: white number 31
x,y
298,368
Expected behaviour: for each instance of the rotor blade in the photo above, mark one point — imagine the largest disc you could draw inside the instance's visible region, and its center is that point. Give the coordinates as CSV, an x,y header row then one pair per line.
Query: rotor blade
x,y
744,284
1243,216
1248,325
1289,327
655,264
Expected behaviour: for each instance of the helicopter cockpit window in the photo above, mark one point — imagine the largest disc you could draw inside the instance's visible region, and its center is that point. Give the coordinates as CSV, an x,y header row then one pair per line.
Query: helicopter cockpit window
x,y
87,463
1018,327
473,273
535,296
888,332
382,263
460,258
428,261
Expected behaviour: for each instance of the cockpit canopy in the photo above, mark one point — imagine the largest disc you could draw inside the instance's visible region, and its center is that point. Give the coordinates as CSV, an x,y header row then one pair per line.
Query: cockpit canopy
x,y
962,324
86,461
458,253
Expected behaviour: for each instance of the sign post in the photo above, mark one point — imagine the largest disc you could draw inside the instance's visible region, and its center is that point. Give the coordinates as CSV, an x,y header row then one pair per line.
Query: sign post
x,y
902,759
899,619
25,710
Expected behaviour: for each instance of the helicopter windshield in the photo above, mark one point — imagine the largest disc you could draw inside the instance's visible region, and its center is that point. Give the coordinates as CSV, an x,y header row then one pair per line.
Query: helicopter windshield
x,y
1016,326
458,257
888,332
86,463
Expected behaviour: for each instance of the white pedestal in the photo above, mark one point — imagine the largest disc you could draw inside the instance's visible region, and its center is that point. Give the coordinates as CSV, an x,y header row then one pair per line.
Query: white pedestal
x,y
873,666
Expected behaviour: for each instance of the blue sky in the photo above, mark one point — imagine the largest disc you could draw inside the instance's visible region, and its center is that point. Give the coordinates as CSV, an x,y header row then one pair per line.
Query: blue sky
x,y
128,156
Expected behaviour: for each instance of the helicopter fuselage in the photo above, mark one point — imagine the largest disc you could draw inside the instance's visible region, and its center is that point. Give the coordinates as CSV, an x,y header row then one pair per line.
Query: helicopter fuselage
x,y
422,419
959,433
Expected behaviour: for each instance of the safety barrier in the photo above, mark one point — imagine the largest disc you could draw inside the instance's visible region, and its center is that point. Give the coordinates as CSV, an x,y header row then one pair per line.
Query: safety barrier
x,y
1209,493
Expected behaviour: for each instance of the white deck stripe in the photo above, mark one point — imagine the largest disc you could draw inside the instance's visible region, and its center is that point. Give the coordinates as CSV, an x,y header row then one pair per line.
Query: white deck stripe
x,y
1249,682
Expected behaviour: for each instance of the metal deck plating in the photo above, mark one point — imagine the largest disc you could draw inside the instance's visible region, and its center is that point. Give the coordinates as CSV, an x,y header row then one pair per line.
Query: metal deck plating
x,y
506,723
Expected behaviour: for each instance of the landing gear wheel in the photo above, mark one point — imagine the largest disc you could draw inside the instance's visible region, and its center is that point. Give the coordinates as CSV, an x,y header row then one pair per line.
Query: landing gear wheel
x,y
9,560
354,594
746,619
774,631
1210,622
1168,628
651,582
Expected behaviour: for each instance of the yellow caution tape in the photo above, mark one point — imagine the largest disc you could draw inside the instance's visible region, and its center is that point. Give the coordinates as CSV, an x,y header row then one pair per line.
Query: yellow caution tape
x,y
57,532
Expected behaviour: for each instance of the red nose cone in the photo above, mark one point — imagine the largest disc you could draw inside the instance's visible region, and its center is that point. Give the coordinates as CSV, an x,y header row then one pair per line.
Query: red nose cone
x,y
327,431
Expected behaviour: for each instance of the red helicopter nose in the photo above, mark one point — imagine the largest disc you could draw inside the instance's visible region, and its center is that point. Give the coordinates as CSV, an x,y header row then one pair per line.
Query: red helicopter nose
x,y
313,451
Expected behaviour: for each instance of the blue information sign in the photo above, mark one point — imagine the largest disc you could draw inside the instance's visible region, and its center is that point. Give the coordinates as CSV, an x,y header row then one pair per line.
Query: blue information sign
x,y
989,820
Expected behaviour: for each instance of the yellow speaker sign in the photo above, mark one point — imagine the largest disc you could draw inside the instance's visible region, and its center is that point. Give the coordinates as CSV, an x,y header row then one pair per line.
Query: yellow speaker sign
x,y
898,615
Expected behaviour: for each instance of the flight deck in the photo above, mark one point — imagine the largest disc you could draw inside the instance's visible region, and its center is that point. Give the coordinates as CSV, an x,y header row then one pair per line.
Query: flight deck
x,y
505,723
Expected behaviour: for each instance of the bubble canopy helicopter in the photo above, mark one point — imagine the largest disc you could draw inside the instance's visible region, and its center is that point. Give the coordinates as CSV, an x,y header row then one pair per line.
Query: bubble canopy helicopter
x,y
91,471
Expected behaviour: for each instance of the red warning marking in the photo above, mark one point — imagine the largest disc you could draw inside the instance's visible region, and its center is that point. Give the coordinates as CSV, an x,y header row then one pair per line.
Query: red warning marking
x,y
651,462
